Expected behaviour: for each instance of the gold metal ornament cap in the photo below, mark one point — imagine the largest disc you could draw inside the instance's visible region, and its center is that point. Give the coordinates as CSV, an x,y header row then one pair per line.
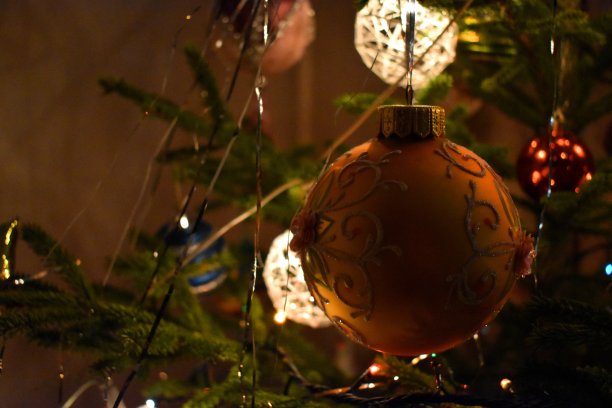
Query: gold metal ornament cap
x,y
411,121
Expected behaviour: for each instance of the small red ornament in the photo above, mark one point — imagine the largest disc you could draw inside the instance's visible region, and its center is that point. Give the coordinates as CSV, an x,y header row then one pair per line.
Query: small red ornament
x,y
572,164
410,243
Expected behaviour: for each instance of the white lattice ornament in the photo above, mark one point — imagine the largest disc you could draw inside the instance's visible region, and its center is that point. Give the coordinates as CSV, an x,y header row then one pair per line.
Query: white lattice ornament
x,y
380,32
287,288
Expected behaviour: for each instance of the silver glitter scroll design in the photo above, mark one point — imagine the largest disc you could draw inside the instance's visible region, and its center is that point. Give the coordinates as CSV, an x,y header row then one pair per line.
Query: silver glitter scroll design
x,y
352,289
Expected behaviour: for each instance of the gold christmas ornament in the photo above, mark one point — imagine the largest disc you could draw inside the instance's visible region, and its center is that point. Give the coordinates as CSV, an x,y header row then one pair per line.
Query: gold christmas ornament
x,y
409,242
380,32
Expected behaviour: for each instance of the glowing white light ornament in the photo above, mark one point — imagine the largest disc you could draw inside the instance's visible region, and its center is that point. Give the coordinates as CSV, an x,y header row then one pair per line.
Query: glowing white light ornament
x,y
284,278
380,40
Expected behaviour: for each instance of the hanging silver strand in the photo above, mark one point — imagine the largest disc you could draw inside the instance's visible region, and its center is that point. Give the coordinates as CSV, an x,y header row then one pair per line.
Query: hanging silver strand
x,y
552,128
410,36
249,335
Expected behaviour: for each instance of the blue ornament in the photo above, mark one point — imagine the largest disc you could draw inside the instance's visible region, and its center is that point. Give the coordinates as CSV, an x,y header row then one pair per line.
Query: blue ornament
x,y
176,237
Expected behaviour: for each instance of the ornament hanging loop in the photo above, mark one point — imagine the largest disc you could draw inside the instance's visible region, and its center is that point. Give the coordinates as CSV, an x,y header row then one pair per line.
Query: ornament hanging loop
x,y
410,35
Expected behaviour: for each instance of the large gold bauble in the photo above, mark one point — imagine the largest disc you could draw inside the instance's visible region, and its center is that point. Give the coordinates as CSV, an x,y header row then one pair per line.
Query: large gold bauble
x,y
409,242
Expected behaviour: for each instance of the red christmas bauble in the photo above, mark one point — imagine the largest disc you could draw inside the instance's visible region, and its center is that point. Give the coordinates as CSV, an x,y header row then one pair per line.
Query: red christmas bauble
x,y
571,164
409,242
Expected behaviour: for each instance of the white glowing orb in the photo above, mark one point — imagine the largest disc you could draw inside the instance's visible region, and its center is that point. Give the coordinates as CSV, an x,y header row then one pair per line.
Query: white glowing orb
x,y
287,288
380,39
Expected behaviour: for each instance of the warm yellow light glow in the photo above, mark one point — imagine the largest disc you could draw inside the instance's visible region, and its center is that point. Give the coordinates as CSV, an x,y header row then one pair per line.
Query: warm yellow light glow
x,y
280,317
541,154
536,176
375,368
579,151
505,384
184,222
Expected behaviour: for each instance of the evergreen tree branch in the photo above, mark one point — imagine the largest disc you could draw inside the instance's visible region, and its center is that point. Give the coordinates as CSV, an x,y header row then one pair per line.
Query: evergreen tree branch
x,y
57,260
558,336
569,311
562,387
592,111
357,103
204,77
165,109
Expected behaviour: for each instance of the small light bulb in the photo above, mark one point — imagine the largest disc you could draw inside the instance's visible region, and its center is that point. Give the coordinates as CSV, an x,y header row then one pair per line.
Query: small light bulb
x,y
371,385
150,403
280,317
505,384
423,356
609,269
396,378
552,46
184,222
415,361
374,369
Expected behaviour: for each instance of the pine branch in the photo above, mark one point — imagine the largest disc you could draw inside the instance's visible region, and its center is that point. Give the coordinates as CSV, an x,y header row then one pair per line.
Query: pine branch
x,y
58,260
568,310
23,297
561,387
410,376
567,323
357,103
165,109
598,376
575,25
211,98
558,336
589,112
436,90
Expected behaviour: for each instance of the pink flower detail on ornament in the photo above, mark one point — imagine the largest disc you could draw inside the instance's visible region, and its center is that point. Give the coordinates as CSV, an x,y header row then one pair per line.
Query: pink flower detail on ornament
x,y
304,230
524,254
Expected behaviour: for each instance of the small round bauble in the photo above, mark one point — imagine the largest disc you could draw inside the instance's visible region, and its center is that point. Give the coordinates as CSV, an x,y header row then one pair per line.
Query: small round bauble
x,y
287,288
291,29
409,242
206,277
571,164
380,40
